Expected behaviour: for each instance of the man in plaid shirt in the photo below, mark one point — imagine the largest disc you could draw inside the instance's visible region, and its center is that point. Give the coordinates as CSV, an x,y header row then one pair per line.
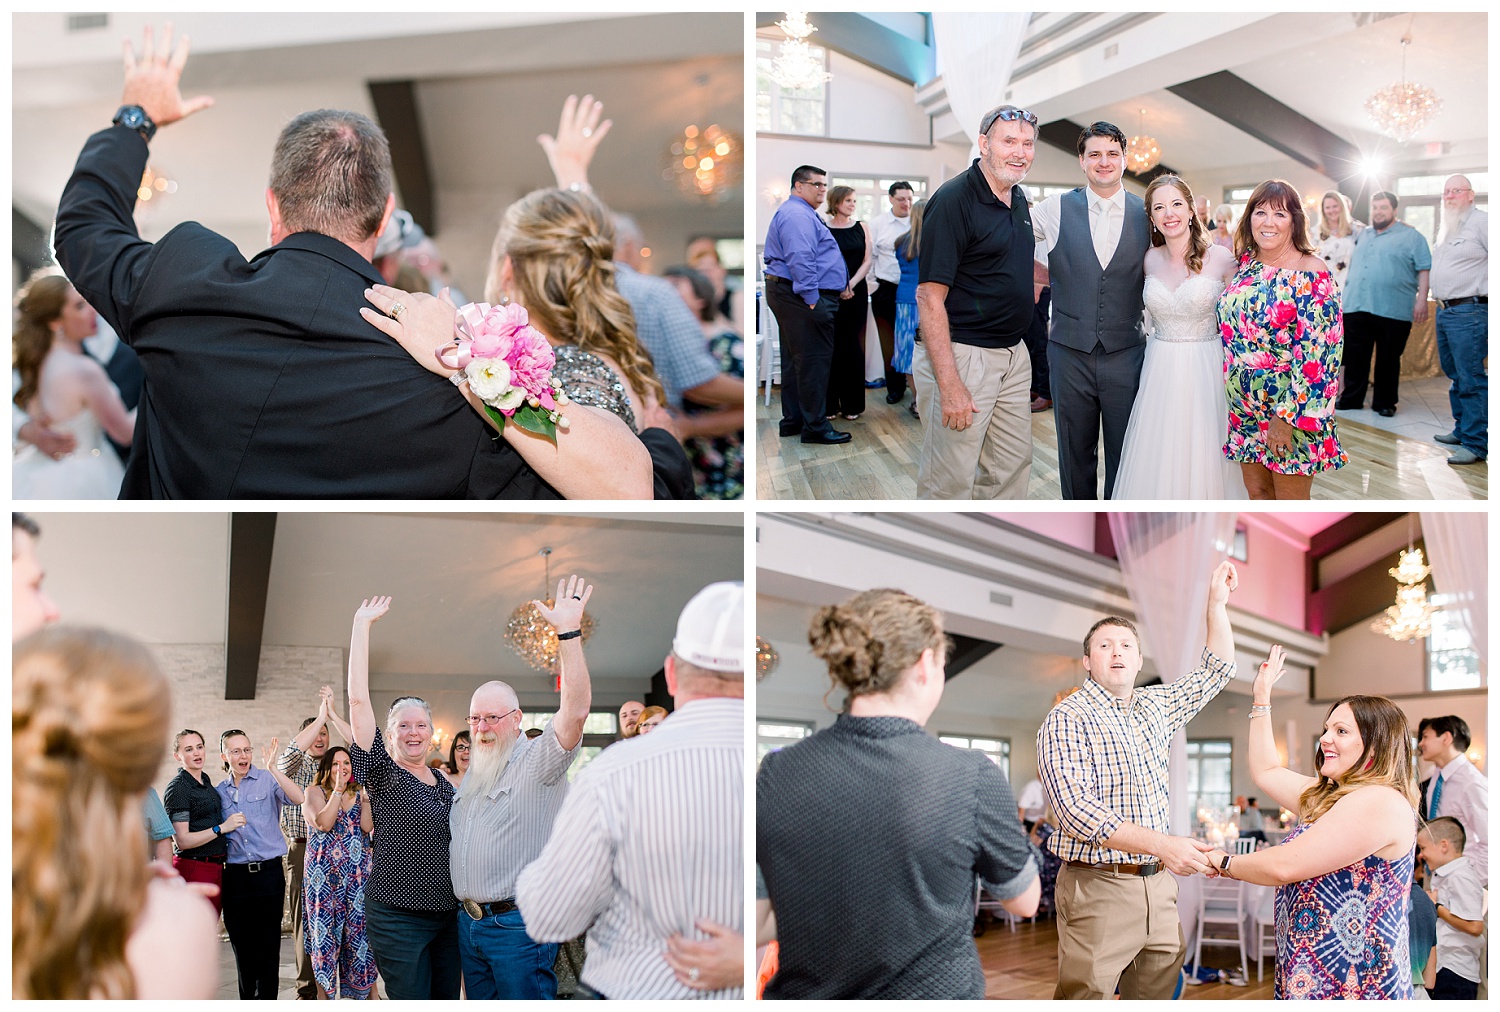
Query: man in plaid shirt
x,y
1103,757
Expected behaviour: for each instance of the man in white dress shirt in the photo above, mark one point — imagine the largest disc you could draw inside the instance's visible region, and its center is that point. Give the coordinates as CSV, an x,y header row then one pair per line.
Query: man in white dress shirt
x,y
1091,247
1456,789
885,230
647,853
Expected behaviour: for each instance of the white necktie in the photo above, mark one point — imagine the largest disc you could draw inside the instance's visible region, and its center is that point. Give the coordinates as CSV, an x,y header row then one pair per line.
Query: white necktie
x,y
1104,239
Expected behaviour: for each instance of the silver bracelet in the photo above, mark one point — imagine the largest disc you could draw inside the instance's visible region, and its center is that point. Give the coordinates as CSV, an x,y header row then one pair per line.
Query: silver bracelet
x,y
459,378
1256,710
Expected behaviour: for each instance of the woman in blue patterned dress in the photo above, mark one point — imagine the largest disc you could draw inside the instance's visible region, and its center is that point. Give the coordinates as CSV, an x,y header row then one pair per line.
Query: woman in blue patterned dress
x,y
1283,331
338,864
908,248
1343,875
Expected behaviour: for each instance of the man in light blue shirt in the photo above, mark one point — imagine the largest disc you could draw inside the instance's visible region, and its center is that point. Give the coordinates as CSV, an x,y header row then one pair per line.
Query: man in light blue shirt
x,y
1385,295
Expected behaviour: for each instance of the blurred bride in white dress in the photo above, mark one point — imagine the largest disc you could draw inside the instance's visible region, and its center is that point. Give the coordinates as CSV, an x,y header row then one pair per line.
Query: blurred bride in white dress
x,y
1174,443
63,385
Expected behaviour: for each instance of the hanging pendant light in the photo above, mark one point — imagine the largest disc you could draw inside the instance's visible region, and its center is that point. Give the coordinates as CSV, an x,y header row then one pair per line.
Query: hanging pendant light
x,y
531,636
797,69
706,162
1403,108
766,658
1410,618
1144,152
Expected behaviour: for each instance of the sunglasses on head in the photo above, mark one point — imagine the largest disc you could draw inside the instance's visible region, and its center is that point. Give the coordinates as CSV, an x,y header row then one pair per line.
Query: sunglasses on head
x,y
1010,115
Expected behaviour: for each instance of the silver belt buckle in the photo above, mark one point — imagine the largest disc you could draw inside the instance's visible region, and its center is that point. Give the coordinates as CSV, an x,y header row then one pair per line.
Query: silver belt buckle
x,y
253,867
473,909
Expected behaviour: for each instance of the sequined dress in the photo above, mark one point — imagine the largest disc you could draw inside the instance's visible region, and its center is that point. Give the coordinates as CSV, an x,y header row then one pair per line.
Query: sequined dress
x,y
588,380
1345,934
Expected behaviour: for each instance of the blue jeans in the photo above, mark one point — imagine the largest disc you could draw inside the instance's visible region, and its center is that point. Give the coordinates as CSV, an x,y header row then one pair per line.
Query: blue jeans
x,y
501,961
416,951
1462,342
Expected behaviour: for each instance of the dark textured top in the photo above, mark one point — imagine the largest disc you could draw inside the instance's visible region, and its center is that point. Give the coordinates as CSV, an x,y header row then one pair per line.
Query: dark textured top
x,y
411,832
588,379
870,835
196,802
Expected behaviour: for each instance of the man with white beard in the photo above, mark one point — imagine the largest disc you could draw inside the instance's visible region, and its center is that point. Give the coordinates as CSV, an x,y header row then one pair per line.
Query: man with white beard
x,y
504,810
1461,286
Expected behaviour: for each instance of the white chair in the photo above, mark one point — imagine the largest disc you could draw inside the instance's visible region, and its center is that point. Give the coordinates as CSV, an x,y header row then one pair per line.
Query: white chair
x,y
1222,905
1243,845
768,348
1264,920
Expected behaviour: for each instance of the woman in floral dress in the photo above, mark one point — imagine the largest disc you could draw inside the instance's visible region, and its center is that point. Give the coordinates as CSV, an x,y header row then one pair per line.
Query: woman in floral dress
x,y
338,864
1283,332
1343,876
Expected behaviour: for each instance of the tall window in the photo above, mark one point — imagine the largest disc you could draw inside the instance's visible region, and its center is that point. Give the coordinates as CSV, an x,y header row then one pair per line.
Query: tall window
x,y
1038,192
996,750
771,735
870,196
1210,764
1451,660
782,111
1422,200
599,730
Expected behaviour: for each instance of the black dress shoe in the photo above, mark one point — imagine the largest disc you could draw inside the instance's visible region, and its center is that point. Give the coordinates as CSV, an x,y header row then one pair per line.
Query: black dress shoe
x,y
791,428
829,436
1341,406
1385,412
895,396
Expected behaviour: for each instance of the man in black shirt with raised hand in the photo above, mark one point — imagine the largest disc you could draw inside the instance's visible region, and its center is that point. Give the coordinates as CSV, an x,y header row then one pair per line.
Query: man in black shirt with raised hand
x,y
975,298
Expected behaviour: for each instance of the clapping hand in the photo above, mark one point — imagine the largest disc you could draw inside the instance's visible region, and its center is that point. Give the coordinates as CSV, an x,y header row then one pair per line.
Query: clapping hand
x,y
151,80
1269,674
268,754
370,611
579,132
566,614
340,779
423,327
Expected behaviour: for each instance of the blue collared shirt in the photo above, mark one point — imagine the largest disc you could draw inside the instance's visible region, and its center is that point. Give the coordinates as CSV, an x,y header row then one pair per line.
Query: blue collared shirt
x,y
801,248
1383,271
260,798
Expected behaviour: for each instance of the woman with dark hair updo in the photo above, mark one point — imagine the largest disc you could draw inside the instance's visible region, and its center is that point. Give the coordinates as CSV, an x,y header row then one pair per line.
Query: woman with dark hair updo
x,y
1342,876
1174,442
871,834
63,385
89,714
1283,333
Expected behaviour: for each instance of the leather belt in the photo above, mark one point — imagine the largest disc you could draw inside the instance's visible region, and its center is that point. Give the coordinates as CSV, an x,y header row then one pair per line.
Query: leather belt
x,y
1143,870
479,911
210,859
1466,300
254,867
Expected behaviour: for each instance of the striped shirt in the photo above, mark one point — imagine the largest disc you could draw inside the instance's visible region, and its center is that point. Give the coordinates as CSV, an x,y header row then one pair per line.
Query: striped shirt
x,y
300,767
497,834
1103,760
650,840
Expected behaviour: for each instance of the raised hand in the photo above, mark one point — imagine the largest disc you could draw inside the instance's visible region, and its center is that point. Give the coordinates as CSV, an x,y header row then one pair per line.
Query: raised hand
x,y
424,326
268,754
1224,579
370,611
1269,674
340,780
152,79
579,132
567,613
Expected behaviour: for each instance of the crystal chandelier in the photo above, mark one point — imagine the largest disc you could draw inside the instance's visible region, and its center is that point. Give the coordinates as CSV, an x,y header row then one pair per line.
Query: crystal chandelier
x,y
797,69
766,658
1143,154
531,636
706,163
1405,107
1410,618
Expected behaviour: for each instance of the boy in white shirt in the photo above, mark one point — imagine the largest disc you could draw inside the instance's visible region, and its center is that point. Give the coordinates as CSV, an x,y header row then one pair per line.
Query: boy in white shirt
x,y
1459,895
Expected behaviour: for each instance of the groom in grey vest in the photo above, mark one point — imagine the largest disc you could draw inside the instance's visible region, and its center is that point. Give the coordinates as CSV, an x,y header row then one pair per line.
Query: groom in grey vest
x,y
1093,243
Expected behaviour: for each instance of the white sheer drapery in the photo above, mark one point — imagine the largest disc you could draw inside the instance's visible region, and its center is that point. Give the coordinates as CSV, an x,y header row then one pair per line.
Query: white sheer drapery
x,y
1458,548
977,53
1166,560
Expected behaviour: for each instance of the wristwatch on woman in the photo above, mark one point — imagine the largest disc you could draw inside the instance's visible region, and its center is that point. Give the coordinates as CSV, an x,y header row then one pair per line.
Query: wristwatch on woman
x,y
1224,865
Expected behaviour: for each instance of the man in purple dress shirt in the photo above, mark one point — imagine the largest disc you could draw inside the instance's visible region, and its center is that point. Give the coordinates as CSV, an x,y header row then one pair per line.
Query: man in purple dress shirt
x,y
805,275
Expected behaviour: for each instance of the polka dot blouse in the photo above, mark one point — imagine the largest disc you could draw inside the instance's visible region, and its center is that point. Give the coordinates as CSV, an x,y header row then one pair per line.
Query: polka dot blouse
x,y
411,832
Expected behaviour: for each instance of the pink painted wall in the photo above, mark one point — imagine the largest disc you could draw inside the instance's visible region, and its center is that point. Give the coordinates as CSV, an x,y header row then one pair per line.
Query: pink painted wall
x,y
1273,583
1075,529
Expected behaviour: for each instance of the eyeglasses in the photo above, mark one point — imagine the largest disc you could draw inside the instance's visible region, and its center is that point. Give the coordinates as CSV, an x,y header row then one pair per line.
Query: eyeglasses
x,y
816,186
1456,191
460,748
1008,113
490,719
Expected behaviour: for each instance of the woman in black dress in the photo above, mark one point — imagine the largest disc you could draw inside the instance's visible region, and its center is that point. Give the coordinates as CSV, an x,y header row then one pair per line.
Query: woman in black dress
x,y
871,834
846,375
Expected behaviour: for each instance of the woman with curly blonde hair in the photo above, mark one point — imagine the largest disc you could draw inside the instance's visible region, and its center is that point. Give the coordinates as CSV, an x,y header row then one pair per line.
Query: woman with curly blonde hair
x,y
89,714
1342,875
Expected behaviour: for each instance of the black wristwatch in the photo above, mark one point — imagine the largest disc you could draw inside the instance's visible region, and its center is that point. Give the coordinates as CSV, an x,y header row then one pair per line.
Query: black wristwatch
x,y
134,117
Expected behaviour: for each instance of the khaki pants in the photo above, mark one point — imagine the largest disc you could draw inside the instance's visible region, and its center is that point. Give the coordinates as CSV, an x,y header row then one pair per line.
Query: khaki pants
x,y
296,857
1115,929
991,459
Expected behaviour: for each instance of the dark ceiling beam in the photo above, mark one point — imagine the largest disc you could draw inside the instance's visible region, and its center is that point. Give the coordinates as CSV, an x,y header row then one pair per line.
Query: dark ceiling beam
x,y
872,44
396,108
1248,109
1356,598
1063,134
1347,531
251,539
30,246
967,651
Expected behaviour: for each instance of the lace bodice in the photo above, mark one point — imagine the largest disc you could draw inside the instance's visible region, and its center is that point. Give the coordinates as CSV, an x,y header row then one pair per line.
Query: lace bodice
x,y
1187,314
589,381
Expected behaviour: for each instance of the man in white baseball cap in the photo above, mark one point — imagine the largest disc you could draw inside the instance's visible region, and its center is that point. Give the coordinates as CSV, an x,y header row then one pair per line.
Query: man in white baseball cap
x,y
647,853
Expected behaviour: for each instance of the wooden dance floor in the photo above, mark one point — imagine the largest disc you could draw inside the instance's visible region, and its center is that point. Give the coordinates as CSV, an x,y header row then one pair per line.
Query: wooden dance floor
x,y
1023,964
880,462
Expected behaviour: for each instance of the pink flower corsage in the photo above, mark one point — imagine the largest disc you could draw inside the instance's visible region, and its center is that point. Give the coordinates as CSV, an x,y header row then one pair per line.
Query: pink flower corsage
x,y
508,365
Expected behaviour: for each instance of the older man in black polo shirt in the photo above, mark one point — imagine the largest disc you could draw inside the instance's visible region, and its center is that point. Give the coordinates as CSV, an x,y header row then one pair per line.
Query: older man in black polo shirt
x,y
975,298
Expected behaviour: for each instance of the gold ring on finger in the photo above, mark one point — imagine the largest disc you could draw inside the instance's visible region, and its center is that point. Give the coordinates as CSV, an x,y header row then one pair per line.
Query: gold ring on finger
x,y
396,310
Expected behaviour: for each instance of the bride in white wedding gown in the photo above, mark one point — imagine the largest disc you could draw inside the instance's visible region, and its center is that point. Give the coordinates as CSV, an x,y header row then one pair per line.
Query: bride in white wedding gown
x,y
62,384
1174,443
